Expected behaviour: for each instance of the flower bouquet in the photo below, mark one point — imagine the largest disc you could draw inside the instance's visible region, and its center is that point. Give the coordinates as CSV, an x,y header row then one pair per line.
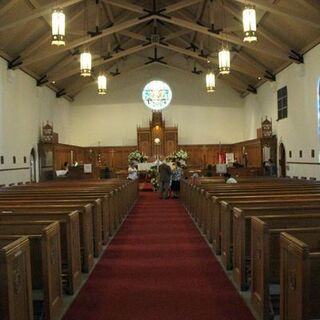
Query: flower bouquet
x,y
137,156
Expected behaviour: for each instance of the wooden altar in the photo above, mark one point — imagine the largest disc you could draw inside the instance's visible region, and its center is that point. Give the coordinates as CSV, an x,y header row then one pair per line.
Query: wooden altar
x,y
157,139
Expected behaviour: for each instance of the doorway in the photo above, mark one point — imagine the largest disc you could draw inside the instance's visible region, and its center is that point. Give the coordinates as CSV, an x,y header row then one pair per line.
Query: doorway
x,y
33,175
282,160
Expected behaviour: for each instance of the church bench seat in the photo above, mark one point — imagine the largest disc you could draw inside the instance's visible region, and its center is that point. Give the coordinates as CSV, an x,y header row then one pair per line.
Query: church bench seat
x,y
226,213
70,241
215,214
209,210
265,254
15,279
299,274
95,205
85,218
45,260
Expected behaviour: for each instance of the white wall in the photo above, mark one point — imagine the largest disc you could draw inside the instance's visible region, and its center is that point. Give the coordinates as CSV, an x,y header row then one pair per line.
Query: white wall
x,y
23,109
299,130
113,119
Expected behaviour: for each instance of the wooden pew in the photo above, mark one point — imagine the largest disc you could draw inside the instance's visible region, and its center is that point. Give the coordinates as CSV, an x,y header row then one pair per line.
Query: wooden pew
x,y
227,221
300,276
45,258
127,189
70,241
241,240
86,235
15,279
265,255
81,205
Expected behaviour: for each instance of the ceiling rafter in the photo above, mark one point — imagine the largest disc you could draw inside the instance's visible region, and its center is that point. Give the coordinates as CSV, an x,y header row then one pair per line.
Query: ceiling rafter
x,y
6,7
110,15
213,60
73,92
176,34
312,21
125,5
87,39
222,36
200,13
310,4
179,5
38,13
260,29
99,62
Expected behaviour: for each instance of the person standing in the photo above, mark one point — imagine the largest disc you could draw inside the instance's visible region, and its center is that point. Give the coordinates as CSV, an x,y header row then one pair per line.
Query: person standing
x,y
176,177
164,180
132,172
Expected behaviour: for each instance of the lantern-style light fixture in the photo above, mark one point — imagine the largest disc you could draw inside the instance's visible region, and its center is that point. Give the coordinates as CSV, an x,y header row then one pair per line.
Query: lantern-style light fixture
x,y
58,27
102,84
224,61
249,24
210,82
85,64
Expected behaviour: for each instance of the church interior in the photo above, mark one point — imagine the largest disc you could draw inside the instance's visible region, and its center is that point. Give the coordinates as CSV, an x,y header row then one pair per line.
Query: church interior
x,y
159,159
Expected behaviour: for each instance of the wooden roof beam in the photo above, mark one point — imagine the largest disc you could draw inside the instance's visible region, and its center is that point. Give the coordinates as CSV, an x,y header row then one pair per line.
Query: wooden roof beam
x,y
38,13
110,16
214,60
222,36
310,4
74,91
45,38
87,39
312,21
125,5
179,5
262,30
98,62
6,7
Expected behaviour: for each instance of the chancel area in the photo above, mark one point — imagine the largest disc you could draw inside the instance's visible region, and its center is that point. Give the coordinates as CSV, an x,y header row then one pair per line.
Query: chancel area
x,y
159,159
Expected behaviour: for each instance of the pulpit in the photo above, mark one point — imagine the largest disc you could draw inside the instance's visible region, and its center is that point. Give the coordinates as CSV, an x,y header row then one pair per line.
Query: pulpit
x,y
157,140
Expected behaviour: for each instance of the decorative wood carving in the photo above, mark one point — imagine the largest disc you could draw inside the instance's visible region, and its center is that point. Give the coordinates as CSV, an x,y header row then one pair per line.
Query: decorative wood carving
x,y
266,128
168,138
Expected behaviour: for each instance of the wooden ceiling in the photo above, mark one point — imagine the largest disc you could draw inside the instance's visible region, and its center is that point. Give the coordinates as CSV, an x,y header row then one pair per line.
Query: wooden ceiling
x,y
127,35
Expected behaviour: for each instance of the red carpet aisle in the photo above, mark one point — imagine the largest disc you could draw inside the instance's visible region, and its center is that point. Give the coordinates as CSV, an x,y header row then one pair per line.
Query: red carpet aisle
x,y
158,268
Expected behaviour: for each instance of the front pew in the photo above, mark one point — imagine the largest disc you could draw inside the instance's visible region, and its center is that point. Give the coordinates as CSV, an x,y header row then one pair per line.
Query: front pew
x,y
300,276
15,279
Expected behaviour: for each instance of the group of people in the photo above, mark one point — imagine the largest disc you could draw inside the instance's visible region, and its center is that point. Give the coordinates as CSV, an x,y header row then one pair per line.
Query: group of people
x,y
169,179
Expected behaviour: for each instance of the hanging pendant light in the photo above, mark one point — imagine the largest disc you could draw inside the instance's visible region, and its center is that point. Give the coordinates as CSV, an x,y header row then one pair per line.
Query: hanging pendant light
x,y
58,27
102,84
85,64
210,82
249,24
224,61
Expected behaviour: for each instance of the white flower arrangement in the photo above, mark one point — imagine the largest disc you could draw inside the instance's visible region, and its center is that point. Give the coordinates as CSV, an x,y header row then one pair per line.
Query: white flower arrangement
x,y
181,156
137,156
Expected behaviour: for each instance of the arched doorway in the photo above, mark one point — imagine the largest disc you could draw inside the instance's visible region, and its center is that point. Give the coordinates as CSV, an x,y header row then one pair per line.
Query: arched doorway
x,y
33,177
282,160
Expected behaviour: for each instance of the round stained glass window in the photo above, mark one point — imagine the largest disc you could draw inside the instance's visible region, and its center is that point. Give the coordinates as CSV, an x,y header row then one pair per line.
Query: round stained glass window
x,y
156,95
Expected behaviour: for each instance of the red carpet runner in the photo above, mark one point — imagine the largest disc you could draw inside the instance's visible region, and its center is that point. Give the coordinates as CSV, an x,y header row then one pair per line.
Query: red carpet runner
x,y
158,268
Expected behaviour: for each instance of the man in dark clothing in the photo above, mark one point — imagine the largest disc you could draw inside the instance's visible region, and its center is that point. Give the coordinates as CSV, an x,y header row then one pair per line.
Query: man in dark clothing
x,y
164,177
